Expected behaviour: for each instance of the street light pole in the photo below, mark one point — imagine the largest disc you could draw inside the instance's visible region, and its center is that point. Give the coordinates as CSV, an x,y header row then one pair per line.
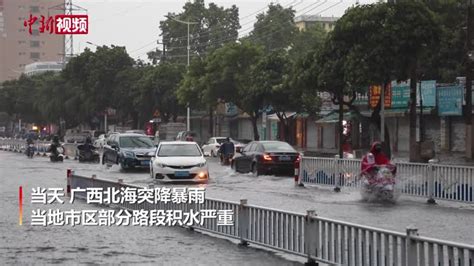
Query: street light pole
x,y
188,110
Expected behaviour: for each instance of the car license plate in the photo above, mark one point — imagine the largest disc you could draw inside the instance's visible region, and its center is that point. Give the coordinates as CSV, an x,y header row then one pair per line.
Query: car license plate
x,y
181,173
285,158
145,162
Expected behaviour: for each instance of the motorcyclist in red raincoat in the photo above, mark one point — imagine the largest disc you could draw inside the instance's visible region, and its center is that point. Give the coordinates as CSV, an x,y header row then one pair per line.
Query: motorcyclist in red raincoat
x,y
372,160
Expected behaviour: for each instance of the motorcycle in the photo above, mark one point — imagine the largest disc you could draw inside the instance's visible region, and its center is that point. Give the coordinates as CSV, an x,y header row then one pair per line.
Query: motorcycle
x,y
380,184
88,155
57,155
30,150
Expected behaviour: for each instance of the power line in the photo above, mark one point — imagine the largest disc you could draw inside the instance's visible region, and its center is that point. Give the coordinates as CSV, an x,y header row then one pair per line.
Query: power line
x,y
311,7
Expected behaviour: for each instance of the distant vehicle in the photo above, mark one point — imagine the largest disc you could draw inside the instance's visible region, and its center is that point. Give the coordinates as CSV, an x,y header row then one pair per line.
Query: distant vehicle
x,y
188,136
179,161
169,131
266,157
76,137
211,147
240,144
129,150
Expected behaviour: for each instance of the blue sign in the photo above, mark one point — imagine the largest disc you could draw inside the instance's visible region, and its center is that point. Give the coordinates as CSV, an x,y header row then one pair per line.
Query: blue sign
x,y
428,93
450,100
231,109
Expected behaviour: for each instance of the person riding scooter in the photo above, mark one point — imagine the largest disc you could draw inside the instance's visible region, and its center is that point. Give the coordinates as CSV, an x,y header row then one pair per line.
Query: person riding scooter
x,y
226,151
54,148
372,160
30,146
87,151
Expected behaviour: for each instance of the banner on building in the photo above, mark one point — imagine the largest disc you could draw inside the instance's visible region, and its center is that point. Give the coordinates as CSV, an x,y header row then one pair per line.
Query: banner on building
x,y
375,92
450,100
400,94
428,93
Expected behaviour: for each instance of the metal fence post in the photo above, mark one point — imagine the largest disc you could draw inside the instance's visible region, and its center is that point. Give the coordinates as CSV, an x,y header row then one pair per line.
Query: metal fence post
x,y
337,175
431,177
310,232
411,247
243,222
300,173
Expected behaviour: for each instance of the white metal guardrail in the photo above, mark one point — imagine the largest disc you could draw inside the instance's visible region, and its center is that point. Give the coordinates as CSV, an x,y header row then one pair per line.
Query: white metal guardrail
x,y
432,180
310,236
41,147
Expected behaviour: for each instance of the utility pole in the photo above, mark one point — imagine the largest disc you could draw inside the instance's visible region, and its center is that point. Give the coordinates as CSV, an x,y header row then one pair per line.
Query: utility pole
x,y
468,94
188,110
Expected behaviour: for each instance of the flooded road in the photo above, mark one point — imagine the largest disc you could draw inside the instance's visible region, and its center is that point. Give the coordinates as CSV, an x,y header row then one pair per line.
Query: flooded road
x,y
28,244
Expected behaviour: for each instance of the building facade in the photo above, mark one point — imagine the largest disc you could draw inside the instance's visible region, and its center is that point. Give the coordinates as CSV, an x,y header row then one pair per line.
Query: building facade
x,y
306,21
41,67
18,47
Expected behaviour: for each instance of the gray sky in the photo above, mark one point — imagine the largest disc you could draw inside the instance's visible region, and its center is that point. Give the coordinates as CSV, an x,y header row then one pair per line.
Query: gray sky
x,y
134,23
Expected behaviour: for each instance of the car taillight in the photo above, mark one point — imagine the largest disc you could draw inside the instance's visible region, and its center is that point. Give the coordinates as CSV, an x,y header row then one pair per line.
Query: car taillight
x,y
267,157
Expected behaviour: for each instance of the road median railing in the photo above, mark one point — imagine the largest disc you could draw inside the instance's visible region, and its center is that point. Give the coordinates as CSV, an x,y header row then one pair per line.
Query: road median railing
x,y
429,180
315,238
41,147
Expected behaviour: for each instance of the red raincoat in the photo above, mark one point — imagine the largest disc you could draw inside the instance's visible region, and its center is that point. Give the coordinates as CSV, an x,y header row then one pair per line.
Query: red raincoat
x,y
372,159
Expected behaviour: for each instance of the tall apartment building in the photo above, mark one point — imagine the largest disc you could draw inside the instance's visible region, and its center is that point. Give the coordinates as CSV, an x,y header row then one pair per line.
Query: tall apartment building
x,y
17,46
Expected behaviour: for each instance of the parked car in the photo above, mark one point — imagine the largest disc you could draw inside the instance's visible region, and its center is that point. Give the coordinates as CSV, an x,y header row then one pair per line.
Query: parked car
x,y
266,157
181,161
211,147
129,150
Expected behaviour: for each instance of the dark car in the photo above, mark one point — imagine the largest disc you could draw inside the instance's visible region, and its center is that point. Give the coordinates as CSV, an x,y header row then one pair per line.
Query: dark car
x,y
129,150
266,157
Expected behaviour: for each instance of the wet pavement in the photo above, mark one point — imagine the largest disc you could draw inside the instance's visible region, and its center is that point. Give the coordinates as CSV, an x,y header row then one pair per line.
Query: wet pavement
x,y
26,244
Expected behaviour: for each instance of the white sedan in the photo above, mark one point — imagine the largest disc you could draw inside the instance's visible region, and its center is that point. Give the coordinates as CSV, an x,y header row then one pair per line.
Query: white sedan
x,y
179,161
211,148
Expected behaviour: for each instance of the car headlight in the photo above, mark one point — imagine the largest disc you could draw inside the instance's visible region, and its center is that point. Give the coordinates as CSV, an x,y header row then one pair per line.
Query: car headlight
x,y
129,154
202,164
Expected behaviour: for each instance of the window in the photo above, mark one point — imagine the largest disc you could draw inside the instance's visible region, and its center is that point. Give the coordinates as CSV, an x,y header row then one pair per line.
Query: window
x,y
34,44
34,9
179,150
21,42
34,32
35,55
135,142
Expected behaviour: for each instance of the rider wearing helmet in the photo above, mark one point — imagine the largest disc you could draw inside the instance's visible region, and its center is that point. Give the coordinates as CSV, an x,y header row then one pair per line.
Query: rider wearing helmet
x,y
373,159
53,148
226,149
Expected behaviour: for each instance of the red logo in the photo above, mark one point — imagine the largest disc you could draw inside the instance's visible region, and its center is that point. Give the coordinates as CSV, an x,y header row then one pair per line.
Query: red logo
x,y
60,24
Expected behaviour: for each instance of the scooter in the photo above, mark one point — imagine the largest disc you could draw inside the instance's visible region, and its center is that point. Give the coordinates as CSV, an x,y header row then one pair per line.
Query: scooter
x,y
30,150
57,155
380,185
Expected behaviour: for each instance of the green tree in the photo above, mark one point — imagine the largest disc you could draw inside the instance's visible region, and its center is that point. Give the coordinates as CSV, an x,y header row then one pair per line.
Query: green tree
x,y
381,42
215,27
274,29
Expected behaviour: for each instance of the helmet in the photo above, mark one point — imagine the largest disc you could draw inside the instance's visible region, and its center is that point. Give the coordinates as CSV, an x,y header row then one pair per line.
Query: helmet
x,y
378,147
228,139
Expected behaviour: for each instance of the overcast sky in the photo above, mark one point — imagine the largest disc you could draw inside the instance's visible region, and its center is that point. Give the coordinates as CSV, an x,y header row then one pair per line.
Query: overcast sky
x,y
134,23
